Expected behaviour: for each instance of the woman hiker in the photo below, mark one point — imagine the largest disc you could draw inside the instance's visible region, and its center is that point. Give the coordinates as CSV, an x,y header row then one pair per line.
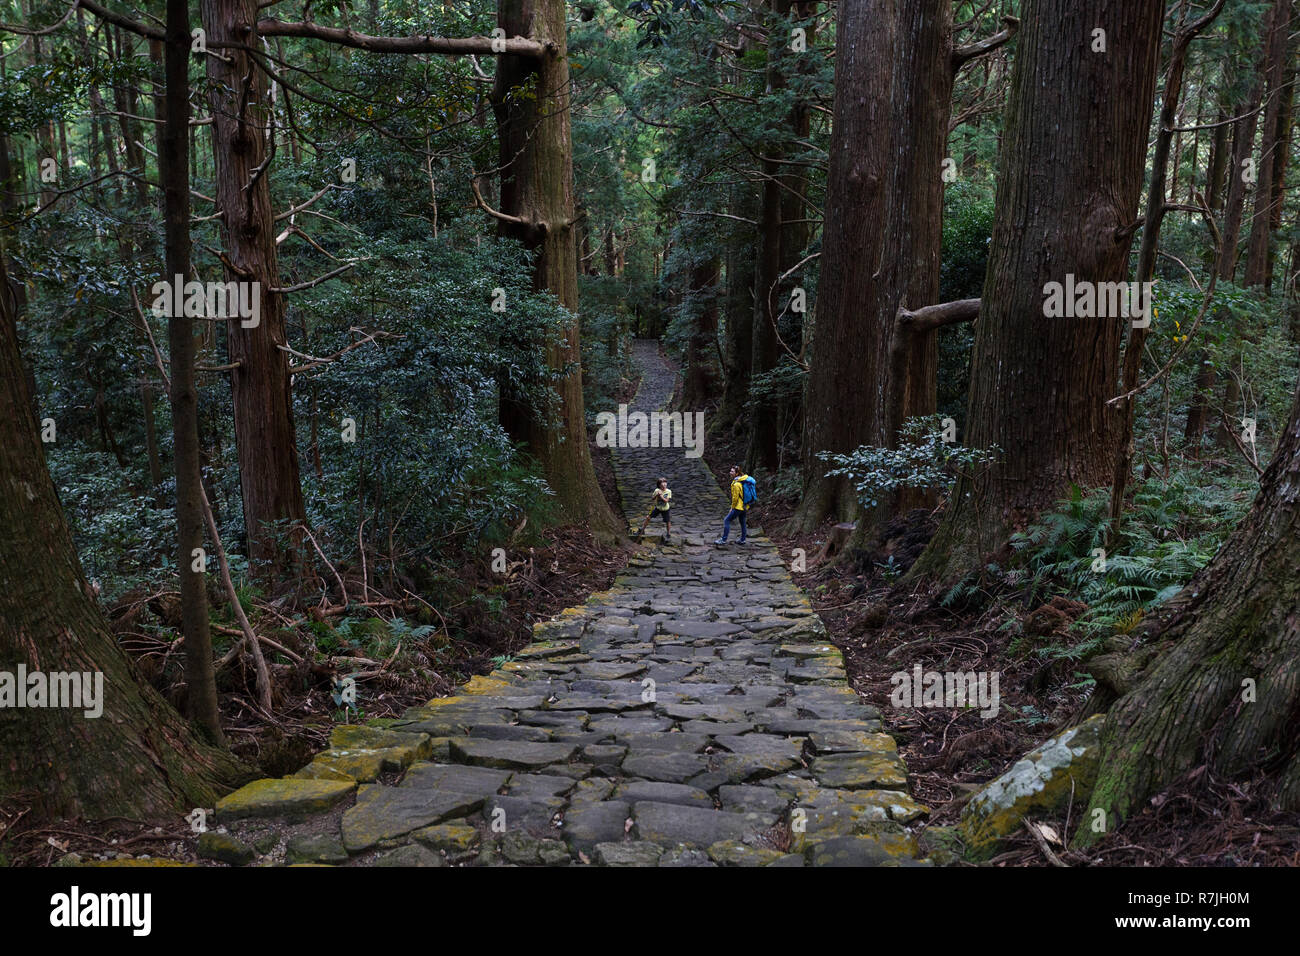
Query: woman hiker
x,y
738,479
662,505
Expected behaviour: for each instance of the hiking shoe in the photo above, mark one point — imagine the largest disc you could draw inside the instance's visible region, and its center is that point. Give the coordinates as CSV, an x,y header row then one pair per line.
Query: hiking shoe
x,y
720,541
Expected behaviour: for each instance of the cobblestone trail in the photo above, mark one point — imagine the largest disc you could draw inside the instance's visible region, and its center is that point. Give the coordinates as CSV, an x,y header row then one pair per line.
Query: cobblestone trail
x,y
693,714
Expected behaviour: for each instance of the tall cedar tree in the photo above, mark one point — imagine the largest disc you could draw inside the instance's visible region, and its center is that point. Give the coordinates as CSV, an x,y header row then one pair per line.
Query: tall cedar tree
x,y
884,221
263,400
531,98
1072,167
174,172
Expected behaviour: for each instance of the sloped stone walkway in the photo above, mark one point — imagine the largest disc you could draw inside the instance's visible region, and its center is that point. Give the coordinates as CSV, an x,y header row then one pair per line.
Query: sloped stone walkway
x,y
693,714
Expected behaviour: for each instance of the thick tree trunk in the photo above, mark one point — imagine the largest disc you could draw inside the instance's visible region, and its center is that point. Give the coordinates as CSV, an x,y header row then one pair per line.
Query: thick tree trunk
x,y
263,402
884,221
536,155
1067,199
138,759
1226,691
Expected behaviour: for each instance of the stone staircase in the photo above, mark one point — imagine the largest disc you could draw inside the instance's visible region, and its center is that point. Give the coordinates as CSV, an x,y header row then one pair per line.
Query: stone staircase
x,y
692,714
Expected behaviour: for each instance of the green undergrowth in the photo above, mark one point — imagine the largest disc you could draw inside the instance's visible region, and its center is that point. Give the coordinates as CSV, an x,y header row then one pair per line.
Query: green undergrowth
x,y
1171,529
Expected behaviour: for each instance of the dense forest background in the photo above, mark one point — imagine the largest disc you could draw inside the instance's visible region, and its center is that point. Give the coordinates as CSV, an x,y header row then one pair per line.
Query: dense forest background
x,y
838,218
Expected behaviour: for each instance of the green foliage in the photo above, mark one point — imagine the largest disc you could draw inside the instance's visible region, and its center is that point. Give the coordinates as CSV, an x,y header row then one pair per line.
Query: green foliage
x,y
430,461
782,383
125,539
606,341
967,229
922,460
1172,529
659,18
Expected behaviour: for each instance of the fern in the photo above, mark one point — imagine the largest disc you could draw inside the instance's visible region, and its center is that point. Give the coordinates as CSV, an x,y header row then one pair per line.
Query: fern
x,y
1172,529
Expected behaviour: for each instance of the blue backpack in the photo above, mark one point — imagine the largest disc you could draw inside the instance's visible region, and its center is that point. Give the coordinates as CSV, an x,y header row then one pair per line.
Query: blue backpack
x,y
748,491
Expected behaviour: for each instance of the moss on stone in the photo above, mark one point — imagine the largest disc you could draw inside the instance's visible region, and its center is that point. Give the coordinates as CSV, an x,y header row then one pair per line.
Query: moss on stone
x,y
1064,768
290,797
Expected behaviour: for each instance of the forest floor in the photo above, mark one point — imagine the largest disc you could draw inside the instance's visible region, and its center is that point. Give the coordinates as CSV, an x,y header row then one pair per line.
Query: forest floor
x,y
570,566
883,626
566,566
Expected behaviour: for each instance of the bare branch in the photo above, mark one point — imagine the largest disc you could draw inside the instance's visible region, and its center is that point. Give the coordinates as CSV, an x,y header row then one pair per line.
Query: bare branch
x,y
937,316
495,214
964,54
482,46
314,282
126,23
314,362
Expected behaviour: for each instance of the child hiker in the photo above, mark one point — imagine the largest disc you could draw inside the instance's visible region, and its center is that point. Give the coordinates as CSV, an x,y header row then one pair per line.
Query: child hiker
x,y
662,505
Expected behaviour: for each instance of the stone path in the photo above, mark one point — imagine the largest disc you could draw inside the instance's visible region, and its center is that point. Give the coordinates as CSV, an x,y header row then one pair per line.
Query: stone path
x,y
693,714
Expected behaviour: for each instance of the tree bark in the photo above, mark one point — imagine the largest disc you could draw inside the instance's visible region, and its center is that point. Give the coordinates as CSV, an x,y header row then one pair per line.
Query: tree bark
x,y
782,235
536,156
884,218
174,171
739,315
1259,245
139,759
1071,174
263,402
700,377
1233,629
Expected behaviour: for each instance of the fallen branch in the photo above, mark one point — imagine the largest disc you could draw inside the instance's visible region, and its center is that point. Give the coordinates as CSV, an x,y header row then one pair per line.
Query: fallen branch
x,y
337,577
1042,845
250,636
234,651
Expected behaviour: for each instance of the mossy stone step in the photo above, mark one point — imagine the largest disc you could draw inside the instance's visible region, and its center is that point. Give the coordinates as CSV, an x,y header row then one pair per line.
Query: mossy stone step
x,y
288,797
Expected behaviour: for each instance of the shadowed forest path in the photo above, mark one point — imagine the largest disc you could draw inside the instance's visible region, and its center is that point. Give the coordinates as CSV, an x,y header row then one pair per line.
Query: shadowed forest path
x,y
692,714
